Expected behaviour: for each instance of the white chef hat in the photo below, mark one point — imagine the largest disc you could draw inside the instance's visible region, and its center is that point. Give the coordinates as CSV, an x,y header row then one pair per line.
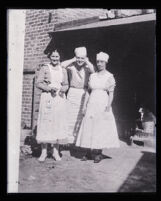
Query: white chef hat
x,y
80,51
102,56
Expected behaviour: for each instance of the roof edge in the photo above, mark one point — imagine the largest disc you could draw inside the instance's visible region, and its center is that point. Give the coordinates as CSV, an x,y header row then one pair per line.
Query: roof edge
x,y
110,22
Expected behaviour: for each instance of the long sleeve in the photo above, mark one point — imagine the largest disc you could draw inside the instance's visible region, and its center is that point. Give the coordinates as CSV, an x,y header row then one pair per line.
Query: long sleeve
x,y
42,82
67,63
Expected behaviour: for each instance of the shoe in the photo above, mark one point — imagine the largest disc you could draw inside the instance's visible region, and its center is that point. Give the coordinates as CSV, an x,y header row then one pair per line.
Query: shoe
x,y
97,159
56,156
84,158
43,156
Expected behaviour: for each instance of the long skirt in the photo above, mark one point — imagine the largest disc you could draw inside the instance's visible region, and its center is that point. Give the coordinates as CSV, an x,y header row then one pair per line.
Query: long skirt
x,y
52,119
98,129
75,102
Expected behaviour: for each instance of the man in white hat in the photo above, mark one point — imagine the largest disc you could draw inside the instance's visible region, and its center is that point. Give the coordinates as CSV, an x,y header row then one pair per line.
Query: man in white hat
x,y
79,69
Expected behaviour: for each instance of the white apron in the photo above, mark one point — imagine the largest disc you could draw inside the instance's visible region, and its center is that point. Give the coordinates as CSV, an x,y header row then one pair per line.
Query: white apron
x,y
52,120
98,129
75,99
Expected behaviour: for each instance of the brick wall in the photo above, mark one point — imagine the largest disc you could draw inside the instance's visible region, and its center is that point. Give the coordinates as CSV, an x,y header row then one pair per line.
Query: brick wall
x,y
27,99
39,23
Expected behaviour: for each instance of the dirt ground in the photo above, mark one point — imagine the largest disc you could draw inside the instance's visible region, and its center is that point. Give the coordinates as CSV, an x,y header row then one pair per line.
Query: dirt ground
x,y
127,169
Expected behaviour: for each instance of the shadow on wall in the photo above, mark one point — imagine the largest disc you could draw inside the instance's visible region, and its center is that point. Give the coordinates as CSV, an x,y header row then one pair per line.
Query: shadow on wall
x,y
143,176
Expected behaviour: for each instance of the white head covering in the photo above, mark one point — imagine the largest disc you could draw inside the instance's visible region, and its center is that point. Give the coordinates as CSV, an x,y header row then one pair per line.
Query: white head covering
x,y
102,56
140,109
80,51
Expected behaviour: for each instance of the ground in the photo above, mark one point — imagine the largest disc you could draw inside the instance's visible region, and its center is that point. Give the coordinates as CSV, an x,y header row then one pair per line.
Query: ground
x,y
126,169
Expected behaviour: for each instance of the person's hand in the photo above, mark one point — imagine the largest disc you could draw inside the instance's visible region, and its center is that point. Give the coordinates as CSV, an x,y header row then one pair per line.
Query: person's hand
x,y
89,65
61,94
53,91
107,109
74,59
86,60
84,111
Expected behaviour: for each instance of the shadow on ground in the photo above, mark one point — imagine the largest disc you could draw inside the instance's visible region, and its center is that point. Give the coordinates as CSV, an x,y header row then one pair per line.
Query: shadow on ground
x,y
77,152
143,175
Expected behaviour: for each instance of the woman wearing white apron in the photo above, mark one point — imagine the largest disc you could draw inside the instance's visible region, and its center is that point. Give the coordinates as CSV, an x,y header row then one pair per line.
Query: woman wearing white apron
x,y
98,129
51,124
79,70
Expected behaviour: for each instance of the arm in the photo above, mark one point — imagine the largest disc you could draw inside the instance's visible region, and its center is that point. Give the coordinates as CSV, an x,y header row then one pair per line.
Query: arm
x,y
110,89
110,98
109,101
40,83
85,103
90,66
87,95
65,84
67,63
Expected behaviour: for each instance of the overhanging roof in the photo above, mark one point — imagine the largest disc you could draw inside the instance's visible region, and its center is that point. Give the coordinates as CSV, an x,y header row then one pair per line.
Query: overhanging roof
x,y
106,23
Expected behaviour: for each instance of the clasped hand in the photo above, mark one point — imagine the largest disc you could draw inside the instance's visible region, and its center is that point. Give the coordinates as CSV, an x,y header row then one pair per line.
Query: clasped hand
x,y
54,92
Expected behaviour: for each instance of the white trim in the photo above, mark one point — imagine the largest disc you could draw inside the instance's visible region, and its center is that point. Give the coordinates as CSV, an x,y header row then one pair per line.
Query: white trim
x,y
16,32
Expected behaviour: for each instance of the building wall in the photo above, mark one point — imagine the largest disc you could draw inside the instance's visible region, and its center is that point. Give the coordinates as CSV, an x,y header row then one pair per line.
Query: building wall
x,y
27,95
38,23
65,15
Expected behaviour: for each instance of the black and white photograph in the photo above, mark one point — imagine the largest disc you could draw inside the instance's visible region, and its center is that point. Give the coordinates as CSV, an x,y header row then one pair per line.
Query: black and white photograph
x,y
81,100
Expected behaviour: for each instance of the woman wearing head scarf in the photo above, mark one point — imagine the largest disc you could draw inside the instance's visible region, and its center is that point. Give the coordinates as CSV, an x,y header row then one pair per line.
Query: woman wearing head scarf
x,y
51,124
98,128
79,70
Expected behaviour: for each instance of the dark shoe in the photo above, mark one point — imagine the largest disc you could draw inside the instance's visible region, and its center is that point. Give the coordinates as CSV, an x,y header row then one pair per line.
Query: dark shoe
x,y
95,153
89,155
97,158
84,158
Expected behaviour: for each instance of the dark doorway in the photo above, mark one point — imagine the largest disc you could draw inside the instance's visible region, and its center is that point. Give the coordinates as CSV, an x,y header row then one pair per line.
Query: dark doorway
x,y
132,61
